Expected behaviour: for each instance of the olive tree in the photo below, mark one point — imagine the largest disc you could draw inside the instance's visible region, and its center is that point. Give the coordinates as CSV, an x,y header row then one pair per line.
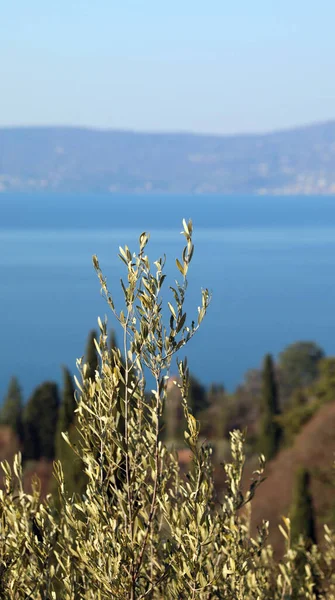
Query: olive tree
x,y
141,529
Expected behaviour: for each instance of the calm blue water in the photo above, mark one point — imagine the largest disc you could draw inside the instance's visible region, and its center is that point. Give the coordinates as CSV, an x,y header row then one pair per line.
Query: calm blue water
x,y
270,263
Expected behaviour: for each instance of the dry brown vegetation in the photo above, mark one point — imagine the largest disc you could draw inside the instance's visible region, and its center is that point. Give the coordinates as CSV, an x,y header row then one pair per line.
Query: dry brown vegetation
x,y
314,447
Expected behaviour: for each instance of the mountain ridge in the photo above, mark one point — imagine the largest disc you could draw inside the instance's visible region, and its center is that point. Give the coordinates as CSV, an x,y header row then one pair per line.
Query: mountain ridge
x,y
293,161
269,132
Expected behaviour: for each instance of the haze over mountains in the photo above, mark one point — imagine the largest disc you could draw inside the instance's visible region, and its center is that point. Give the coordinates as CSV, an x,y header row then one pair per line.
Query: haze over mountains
x,y
65,159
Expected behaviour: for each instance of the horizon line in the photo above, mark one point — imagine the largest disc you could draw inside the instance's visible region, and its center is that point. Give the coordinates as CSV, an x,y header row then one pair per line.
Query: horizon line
x,y
175,132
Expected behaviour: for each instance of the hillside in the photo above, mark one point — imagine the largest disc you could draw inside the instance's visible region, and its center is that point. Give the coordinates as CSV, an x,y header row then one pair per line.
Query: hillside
x,y
296,161
314,448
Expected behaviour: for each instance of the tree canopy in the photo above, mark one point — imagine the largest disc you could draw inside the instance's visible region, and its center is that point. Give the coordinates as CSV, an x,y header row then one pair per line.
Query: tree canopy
x,y
11,410
39,422
302,511
270,431
298,364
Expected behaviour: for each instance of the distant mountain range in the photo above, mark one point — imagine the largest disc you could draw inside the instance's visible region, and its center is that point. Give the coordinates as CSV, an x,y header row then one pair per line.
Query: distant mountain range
x,y
66,159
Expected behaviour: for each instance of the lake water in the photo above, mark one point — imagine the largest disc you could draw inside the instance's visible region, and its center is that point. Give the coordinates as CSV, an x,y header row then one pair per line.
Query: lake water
x,y
270,263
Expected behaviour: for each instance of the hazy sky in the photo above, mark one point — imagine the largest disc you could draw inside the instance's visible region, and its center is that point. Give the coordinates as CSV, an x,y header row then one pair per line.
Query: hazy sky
x,y
209,66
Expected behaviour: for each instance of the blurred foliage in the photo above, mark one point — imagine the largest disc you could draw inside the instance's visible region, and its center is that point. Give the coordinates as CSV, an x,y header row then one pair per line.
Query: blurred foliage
x,y
293,420
298,365
75,479
305,402
324,388
197,397
270,434
302,510
12,408
160,534
40,417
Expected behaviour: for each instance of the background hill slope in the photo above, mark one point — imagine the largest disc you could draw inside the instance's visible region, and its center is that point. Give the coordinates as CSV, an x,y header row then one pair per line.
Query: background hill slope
x,y
313,448
296,161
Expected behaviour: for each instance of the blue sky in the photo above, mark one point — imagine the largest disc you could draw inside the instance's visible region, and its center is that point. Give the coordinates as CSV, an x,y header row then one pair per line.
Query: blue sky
x,y
206,66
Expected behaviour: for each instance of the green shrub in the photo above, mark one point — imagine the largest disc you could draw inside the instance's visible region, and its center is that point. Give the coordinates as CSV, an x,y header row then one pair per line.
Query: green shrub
x,y
324,387
142,530
293,420
270,435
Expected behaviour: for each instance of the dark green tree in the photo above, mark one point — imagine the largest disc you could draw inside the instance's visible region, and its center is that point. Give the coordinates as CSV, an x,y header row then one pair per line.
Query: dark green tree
x,y
66,417
12,408
197,398
298,365
303,524
40,416
302,510
91,356
74,477
270,430
66,411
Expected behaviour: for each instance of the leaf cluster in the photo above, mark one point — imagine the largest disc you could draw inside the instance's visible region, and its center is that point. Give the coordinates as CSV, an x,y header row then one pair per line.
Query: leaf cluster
x,y
142,529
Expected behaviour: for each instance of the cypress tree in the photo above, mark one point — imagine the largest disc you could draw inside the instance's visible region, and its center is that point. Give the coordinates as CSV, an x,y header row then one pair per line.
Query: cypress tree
x,y
39,418
302,510
11,411
66,412
74,477
91,356
303,524
197,398
270,431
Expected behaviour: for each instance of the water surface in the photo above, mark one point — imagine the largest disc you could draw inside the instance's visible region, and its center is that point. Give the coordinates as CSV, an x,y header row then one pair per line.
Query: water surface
x,y
270,264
